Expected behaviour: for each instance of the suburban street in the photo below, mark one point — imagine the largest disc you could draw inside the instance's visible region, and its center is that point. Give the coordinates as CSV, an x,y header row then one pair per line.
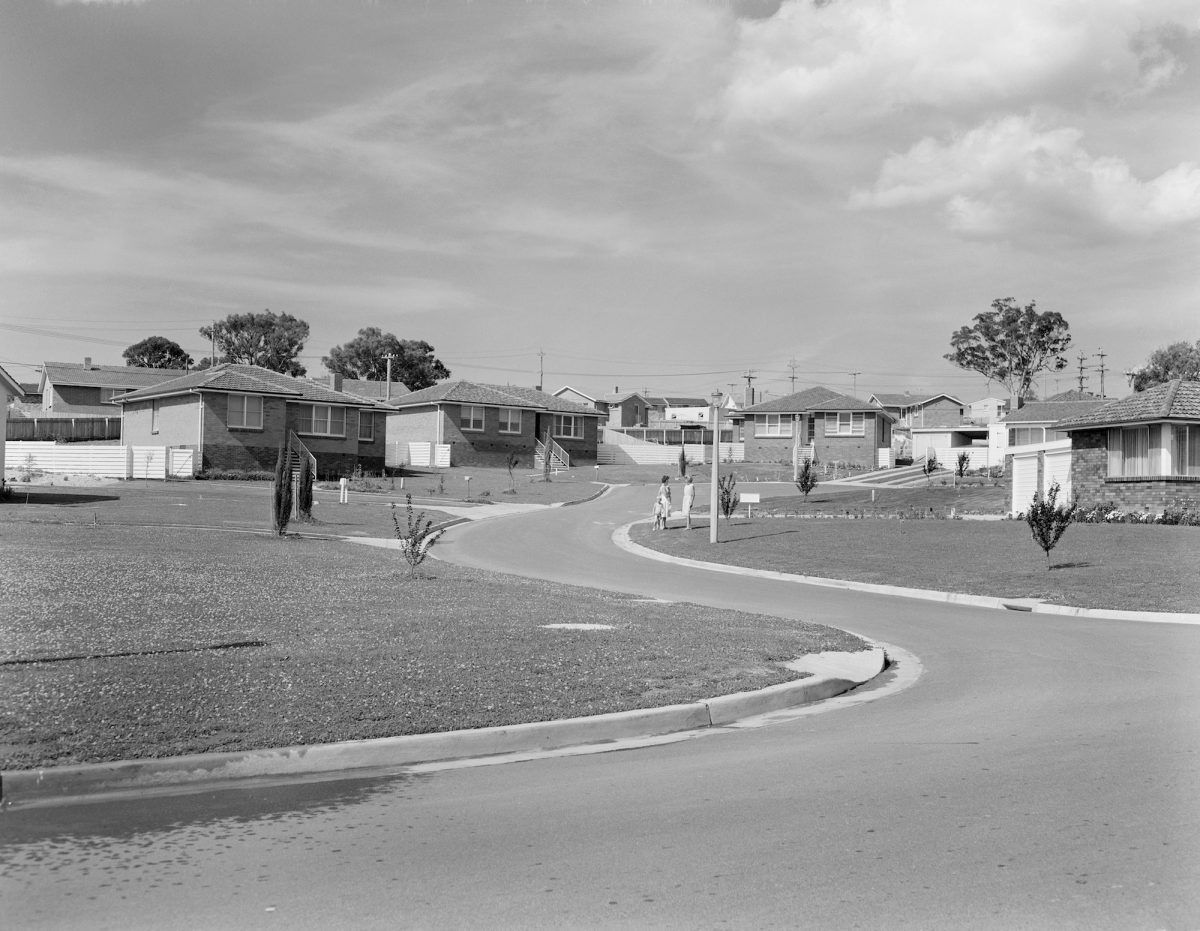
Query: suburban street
x,y
1042,772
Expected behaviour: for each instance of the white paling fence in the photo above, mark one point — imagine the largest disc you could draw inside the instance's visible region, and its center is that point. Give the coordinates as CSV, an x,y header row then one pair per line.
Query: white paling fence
x,y
113,461
417,454
638,453
978,457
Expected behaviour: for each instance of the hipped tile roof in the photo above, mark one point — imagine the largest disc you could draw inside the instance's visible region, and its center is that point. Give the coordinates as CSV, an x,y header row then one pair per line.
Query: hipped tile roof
x,y
468,392
817,400
1173,400
104,376
248,379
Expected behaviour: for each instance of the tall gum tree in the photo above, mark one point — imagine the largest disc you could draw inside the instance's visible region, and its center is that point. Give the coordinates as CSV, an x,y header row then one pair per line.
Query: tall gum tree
x,y
1012,345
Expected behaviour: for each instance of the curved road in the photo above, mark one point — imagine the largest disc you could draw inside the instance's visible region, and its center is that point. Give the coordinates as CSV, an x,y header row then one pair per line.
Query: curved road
x,y
1043,772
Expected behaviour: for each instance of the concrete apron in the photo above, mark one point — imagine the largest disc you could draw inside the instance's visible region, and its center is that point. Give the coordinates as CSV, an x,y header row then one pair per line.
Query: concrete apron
x,y
832,674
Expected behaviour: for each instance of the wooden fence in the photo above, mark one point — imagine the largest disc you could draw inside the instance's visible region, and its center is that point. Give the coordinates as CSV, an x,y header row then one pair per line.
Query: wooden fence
x,y
63,429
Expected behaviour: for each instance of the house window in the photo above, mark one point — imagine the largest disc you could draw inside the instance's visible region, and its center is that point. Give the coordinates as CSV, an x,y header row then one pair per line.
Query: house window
x,y
107,394
471,417
1185,450
845,423
1129,452
154,416
1023,436
510,420
321,420
569,426
246,411
366,427
772,424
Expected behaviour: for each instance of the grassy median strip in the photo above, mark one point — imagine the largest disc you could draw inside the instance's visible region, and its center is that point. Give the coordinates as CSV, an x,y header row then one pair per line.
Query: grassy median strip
x,y
351,648
1122,566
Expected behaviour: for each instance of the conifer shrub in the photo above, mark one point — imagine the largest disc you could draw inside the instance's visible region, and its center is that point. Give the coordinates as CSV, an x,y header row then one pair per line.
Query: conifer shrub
x,y
281,497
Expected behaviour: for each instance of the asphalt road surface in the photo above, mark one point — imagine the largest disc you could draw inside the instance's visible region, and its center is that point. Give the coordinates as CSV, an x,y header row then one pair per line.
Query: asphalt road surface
x,y
1042,772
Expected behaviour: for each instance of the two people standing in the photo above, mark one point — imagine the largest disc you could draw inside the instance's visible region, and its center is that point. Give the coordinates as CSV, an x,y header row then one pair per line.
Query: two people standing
x,y
662,503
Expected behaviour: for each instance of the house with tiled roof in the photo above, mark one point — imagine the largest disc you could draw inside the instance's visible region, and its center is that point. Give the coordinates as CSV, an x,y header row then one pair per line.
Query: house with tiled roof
x,y
237,416
482,424
71,389
10,390
837,427
921,410
1141,452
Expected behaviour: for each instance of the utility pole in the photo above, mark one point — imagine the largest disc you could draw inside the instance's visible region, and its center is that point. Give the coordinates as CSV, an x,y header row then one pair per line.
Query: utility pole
x,y
214,342
1100,355
855,375
748,398
714,493
792,366
541,359
1082,377
388,390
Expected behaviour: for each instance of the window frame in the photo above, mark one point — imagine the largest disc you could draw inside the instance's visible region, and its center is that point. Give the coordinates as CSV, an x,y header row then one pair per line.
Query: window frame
x,y
773,425
836,418
245,418
561,420
330,428
466,418
368,418
154,415
506,422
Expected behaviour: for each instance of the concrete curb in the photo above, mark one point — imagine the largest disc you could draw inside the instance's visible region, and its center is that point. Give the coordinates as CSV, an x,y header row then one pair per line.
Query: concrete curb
x,y
63,784
622,539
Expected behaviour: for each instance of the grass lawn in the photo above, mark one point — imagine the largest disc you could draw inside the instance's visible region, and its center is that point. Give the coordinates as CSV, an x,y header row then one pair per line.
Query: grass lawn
x,y
1126,566
124,640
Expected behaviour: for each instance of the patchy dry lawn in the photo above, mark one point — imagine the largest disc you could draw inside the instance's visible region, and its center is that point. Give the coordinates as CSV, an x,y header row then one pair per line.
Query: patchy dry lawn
x,y
122,642
1125,566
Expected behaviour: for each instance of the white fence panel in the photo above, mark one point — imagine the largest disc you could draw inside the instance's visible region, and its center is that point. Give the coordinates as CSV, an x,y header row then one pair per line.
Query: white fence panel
x,y
181,463
441,455
148,462
978,457
885,458
420,454
106,461
733,452
1024,481
1057,468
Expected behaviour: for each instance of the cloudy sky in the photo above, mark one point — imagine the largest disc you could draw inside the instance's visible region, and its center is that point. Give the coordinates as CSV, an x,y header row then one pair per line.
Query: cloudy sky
x,y
659,194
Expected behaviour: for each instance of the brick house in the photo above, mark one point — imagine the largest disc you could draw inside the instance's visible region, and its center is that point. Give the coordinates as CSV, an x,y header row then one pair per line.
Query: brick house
x,y
237,416
482,424
921,410
1141,452
10,390
838,427
69,389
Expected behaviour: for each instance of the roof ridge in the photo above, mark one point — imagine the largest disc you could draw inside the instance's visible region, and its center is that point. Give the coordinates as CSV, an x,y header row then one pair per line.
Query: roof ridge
x,y
1169,397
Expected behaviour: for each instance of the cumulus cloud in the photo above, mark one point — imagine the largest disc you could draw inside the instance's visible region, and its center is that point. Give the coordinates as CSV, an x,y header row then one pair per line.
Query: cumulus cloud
x,y
842,64
1008,173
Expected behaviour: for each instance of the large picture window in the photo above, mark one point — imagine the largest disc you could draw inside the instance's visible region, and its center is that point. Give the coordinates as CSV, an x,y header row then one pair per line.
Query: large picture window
x,y
471,417
1185,450
321,420
246,411
1129,452
510,420
772,424
568,426
845,423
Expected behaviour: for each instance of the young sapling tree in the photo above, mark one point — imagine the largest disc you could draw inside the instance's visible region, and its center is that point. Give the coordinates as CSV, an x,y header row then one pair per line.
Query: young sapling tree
x,y
416,536
806,481
1048,520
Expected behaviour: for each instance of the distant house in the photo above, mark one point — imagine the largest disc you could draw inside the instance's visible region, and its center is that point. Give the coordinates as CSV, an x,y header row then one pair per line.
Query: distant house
x,y
1034,422
69,389
627,409
364,388
574,395
482,424
837,427
921,410
1141,452
10,390
237,416
988,410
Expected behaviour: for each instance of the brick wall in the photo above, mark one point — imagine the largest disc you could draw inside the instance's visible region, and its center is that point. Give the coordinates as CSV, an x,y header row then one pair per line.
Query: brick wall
x,y
1091,485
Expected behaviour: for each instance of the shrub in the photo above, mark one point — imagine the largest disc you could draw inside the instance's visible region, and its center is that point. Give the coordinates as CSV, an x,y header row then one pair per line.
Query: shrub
x,y
281,498
807,480
683,463
1048,520
511,462
304,493
931,464
729,498
960,465
417,538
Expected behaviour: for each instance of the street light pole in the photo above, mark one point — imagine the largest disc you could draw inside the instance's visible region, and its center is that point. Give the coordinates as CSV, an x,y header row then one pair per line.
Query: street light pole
x,y
714,499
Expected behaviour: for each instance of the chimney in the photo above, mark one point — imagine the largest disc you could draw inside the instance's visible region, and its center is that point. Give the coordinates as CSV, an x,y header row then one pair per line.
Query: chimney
x,y
335,382
616,389
87,362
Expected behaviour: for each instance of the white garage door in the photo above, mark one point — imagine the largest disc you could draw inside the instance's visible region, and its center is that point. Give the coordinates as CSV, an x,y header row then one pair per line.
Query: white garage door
x,y
1058,469
1024,482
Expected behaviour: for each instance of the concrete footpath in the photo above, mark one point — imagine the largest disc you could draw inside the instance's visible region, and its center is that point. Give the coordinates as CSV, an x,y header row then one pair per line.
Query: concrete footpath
x,y
830,674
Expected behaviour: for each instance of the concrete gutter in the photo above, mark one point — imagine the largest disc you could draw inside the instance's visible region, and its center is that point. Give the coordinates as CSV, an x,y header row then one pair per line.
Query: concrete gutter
x,y
833,674
622,539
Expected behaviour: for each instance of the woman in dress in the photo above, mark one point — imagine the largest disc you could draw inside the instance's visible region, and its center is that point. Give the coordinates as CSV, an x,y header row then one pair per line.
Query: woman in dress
x,y
662,504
